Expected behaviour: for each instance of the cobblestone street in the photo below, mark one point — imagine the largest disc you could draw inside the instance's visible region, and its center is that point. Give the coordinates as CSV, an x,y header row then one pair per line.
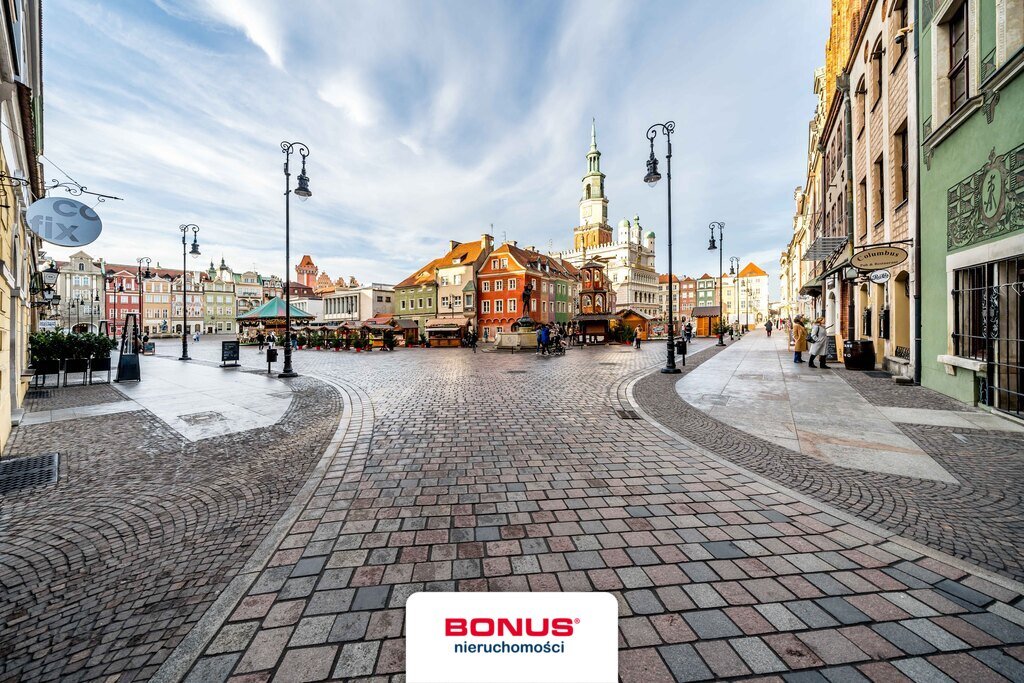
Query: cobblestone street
x,y
470,472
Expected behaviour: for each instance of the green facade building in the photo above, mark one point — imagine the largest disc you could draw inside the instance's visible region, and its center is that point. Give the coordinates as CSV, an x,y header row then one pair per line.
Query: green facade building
x,y
971,113
416,296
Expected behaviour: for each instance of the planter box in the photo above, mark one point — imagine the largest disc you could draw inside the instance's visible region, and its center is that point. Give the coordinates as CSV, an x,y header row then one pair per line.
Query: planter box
x,y
74,366
99,365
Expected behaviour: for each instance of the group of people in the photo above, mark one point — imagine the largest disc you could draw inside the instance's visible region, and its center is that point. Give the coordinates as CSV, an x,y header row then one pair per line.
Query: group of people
x,y
265,340
550,340
813,341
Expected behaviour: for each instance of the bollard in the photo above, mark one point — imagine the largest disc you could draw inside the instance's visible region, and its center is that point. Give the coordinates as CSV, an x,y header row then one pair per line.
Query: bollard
x,y
271,358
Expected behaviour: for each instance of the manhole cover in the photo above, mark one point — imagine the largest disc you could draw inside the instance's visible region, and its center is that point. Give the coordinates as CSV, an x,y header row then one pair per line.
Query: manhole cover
x,y
878,373
627,414
34,470
516,372
201,418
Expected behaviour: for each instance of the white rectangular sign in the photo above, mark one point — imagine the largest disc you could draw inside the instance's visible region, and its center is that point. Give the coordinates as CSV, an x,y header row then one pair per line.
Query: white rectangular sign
x,y
511,638
47,325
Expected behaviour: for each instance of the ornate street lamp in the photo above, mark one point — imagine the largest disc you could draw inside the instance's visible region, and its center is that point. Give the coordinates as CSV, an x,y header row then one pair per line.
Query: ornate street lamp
x,y
712,247
734,270
302,192
139,277
652,179
184,281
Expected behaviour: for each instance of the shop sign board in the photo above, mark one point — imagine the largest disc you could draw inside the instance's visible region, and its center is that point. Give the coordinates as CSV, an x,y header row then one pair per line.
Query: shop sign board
x,y
879,277
62,221
878,258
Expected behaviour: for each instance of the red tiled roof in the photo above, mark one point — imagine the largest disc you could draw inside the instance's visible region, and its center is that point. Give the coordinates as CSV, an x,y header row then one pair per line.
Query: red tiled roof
x,y
752,270
421,276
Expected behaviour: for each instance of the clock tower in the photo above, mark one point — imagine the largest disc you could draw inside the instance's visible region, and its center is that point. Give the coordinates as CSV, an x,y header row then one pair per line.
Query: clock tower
x,y
593,229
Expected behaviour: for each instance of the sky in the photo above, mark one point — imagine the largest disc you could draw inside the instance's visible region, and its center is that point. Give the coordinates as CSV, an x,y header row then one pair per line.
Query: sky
x,y
427,121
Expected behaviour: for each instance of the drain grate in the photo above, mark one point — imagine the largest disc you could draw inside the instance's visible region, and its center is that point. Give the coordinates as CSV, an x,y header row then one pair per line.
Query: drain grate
x,y
23,473
607,363
628,415
37,393
516,372
878,373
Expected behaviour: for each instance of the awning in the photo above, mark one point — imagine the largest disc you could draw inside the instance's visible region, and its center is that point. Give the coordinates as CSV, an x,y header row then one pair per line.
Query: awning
x,y
823,247
444,323
706,312
812,287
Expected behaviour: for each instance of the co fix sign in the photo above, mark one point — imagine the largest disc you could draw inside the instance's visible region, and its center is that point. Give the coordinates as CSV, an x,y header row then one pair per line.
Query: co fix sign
x,y
511,638
62,221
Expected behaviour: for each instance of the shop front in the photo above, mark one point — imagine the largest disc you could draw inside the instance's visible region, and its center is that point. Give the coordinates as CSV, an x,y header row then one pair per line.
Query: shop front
x,y
445,332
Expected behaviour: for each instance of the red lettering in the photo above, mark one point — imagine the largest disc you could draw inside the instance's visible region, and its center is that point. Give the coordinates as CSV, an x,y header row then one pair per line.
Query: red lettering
x,y
481,627
455,627
531,631
561,627
509,628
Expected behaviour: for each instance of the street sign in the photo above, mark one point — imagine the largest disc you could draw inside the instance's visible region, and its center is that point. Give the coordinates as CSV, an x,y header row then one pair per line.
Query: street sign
x,y
879,277
878,258
47,325
62,221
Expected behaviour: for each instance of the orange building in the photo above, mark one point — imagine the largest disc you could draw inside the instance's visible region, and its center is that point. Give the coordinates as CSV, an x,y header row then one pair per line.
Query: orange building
x,y
502,280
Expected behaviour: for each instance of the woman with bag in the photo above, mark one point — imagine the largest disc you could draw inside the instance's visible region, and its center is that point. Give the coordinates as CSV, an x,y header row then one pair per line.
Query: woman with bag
x,y
799,339
817,338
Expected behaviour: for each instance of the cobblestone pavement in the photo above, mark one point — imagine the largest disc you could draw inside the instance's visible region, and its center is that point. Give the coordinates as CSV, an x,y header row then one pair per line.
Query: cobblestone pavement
x,y
102,574
502,473
58,398
980,519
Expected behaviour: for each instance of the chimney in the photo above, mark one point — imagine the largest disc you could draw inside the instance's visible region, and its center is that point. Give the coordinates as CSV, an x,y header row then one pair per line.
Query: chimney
x,y
486,241
452,244
514,243
531,248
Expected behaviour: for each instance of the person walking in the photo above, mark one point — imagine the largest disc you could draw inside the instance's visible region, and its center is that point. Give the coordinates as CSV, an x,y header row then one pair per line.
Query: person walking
x,y
688,330
543,337
799,339
768,327
818,339
261,339
636,337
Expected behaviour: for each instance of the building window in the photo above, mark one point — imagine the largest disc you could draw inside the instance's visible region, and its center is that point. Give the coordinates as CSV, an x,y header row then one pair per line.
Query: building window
x,y
958,57
469,301
862,105
903,172
899,21
504,263
485,306
430,301
876,72
511,305
485,286
499,285
878,181
511,284
499,306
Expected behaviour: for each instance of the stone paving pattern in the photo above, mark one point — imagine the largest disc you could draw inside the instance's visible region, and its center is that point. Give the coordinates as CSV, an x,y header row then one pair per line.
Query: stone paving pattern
x,y
474,478
980,519
58,398
102,574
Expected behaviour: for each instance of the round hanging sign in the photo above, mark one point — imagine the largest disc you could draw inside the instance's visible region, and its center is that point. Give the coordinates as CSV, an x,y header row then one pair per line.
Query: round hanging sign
x,y
879,277
878,258
63,221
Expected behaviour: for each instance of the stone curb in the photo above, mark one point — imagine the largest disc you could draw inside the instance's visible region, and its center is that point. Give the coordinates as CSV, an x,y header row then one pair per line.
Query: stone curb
x,y
180,661
910,549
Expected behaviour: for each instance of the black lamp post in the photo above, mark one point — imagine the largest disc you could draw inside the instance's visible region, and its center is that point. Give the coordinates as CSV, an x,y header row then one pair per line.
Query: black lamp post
x,y
184,281
734,271
139,276
652,179
93,306
303,193
711,247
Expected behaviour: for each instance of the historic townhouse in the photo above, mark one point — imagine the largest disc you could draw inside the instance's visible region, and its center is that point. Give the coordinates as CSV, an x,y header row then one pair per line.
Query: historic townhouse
x,y
971,99
122,296
416,296
746,296
456,281
218,303
502,279
195,298
360,303
81,284
884,131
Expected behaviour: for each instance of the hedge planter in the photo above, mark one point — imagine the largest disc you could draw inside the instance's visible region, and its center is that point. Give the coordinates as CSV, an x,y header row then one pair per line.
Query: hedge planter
x,y
74,366
99,365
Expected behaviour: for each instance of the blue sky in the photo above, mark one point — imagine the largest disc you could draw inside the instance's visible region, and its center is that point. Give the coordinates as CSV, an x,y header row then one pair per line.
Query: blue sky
x,y
427,121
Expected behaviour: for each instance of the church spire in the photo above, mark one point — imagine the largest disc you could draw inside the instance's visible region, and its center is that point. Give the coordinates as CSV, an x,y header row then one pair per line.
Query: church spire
x,y
593,135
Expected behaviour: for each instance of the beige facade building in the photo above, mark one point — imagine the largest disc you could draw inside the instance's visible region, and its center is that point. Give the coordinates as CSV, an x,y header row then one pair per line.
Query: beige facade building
x,y
746,296
357,303
456,280
883,78
81,284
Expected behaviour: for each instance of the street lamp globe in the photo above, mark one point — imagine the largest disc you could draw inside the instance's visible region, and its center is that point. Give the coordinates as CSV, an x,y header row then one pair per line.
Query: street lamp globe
x,y
302,191
195,248
652,176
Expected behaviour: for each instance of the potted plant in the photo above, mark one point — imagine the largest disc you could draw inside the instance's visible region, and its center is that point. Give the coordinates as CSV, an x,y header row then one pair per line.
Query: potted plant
x,y
77,352
424,342
358,344
47,350
389,340
302,339
336,344
100,347
348,341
